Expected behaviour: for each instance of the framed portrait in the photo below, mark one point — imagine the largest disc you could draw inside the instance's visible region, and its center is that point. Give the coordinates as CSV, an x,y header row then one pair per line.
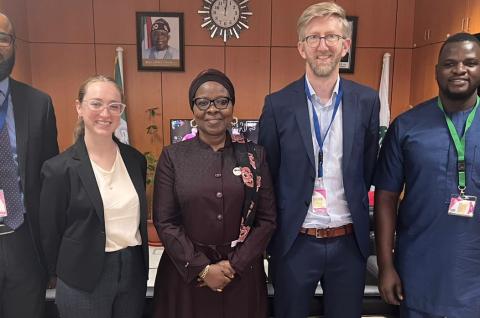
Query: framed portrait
x,y
347,64
181,130
160,41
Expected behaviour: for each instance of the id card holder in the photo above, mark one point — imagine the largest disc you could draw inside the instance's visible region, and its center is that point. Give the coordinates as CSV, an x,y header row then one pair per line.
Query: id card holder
x,y
319,198
3,205
462,205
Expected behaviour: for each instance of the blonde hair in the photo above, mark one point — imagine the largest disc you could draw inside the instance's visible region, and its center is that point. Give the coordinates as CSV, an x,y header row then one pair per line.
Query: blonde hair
x,y
323,9
79,129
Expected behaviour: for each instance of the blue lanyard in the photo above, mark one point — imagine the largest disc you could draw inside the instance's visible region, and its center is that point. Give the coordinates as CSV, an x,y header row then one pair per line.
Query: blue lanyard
x,y
316,123
4,108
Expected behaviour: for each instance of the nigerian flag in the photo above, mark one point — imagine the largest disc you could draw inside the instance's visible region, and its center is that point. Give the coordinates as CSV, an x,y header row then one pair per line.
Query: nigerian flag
x,y
384,94
122,131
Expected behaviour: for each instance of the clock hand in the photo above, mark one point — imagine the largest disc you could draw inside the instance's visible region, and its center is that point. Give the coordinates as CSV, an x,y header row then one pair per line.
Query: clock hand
x,y
226,3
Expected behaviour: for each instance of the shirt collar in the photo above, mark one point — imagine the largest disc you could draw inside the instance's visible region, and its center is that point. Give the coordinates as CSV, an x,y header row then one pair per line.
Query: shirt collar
x,y
334,92
4,85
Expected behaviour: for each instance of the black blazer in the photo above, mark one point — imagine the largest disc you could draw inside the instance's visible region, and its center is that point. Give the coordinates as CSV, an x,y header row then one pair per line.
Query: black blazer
x,y
36,135
72,224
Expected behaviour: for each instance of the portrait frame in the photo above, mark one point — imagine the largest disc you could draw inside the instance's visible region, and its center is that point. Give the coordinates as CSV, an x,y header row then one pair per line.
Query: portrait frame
x,y
347,64
169,58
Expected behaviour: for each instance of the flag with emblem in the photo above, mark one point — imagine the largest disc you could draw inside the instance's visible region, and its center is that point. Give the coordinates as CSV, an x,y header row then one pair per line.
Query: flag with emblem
x,y
122,131
384,94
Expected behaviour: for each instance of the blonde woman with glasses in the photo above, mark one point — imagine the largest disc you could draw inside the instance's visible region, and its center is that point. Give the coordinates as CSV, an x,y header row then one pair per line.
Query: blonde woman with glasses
x,y
93,213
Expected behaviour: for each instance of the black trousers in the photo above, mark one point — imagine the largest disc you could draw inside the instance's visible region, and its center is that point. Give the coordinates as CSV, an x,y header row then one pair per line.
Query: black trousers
x,y
22,277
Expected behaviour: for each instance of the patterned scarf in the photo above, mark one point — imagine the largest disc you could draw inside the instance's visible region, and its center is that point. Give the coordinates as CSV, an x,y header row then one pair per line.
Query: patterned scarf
x,y
247,161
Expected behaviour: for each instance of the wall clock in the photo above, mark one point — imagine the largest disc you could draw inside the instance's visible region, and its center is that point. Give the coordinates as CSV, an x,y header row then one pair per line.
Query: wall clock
x,y
225,18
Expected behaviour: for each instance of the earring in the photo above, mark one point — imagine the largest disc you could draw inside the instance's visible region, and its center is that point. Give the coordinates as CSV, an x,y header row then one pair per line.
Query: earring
x,y
234,122
193,123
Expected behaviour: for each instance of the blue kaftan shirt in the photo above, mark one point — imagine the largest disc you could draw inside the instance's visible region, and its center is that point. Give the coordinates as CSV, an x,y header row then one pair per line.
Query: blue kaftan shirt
x,y
437,255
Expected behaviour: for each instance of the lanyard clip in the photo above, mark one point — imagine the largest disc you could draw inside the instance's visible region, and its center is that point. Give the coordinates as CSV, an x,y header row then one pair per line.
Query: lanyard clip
x,y
461,165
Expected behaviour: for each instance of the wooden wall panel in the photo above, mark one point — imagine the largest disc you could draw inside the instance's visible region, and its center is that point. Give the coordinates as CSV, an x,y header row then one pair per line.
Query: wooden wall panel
x,y
287,66
17,12
423,84
473,10
22,70
119,26
401,82
194,34
61,21
249,70
73,63
374,29
142,90
175,85
284,20
259,33
405,20
368,66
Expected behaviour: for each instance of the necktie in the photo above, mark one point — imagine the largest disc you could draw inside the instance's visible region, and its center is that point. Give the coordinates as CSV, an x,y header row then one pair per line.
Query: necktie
x,y
9,182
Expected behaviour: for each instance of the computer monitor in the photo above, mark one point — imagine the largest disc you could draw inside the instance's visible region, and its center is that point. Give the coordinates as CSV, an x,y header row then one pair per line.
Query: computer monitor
x,y
180,129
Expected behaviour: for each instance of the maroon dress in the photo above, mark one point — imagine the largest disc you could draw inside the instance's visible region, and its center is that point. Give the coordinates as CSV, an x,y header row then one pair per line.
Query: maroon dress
x,y
197,209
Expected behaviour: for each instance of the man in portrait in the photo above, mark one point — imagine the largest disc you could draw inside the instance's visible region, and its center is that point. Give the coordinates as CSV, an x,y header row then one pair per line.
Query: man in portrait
x,y
159,48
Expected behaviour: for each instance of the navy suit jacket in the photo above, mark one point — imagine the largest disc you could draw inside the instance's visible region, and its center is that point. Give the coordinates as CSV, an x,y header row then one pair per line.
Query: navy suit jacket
x,y
36,134
286,135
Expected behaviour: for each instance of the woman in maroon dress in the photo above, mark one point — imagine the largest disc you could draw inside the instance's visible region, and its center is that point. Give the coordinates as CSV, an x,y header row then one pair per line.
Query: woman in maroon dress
x,y
214,210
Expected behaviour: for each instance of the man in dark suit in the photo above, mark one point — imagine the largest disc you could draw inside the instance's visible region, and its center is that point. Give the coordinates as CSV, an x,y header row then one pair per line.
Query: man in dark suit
x,y
28,136
321,138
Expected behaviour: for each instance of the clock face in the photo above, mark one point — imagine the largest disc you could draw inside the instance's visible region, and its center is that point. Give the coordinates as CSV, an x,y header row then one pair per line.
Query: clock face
x,y
225,18
225,13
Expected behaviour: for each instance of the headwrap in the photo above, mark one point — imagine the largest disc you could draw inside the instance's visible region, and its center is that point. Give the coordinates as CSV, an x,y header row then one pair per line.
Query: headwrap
x,y
210,75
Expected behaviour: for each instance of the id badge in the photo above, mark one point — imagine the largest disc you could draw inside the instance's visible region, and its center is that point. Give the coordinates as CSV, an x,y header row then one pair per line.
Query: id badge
x,y
3,205
319,198
462,205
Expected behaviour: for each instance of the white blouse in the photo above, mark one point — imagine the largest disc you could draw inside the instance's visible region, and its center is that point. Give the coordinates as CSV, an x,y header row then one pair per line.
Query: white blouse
x,y
121,206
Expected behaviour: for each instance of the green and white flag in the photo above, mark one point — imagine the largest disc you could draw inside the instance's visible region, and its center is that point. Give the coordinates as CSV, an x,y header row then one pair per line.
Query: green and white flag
x,y
384,93
122,131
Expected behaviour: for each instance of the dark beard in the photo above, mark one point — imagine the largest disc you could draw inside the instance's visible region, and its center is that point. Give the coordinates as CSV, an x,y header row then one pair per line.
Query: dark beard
x,y
459,96
6,66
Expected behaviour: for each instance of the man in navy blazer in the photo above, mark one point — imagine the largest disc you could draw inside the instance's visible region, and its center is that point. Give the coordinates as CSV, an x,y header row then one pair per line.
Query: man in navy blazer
x,y
321,137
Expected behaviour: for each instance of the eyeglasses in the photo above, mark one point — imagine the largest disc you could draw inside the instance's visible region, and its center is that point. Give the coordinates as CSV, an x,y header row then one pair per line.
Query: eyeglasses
x,y
219,102
330,39
97,105
6,39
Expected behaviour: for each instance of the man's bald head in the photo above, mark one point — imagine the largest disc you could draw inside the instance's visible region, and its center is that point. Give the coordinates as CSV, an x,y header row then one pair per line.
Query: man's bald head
x,y
6,25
